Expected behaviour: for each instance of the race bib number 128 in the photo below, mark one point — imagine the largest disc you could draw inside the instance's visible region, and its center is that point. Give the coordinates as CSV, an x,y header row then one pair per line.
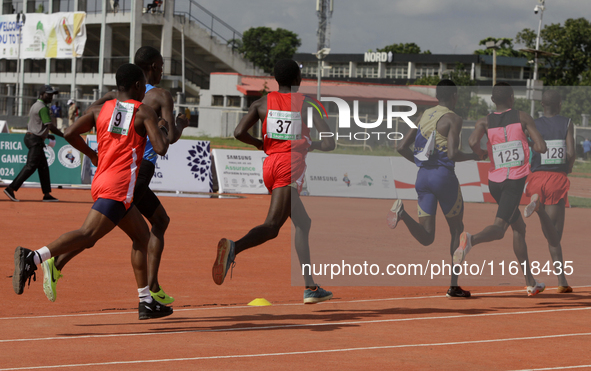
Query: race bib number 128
x,y
284,125
121,118
556,153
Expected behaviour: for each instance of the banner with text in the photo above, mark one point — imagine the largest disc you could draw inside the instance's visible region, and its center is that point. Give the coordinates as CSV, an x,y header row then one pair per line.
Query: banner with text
x,y
240,171
63,160
57,35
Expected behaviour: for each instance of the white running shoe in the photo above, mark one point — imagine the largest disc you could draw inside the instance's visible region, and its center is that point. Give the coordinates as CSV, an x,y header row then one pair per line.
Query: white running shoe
x,y
534,290
463,249
532,207
394,214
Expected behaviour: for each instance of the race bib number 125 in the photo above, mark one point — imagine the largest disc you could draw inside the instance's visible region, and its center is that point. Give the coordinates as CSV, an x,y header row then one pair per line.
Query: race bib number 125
x,y
508,154
284,125
121,118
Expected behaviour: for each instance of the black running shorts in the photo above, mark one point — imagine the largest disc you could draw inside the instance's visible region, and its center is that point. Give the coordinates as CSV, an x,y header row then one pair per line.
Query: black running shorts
x,y
508,196
143,198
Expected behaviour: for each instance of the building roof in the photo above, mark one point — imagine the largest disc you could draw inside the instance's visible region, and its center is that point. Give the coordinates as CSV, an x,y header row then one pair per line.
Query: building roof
x,y
254,85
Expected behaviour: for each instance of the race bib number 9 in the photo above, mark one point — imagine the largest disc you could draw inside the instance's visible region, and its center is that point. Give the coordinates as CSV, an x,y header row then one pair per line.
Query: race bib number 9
x,y
284,125
508,154
121,118
556,153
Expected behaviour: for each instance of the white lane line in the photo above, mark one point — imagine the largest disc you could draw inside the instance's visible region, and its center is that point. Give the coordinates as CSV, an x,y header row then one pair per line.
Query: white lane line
x,y
278,327
302,352
275,305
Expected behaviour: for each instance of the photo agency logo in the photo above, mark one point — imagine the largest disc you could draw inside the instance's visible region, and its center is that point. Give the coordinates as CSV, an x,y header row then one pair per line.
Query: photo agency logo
x,y
387,111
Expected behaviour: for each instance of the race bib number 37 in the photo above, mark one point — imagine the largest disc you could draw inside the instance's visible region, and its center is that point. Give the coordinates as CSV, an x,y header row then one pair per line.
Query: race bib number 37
x,y
121,118
284,125
508,154
556,153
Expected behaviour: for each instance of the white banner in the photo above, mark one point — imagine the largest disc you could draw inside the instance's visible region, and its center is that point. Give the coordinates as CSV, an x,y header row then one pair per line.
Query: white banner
x,y
57,35
186,167
349,176
240,171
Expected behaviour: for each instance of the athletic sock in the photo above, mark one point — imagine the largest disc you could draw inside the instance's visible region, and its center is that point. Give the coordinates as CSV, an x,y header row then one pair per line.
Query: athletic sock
x,y
42,255
144,294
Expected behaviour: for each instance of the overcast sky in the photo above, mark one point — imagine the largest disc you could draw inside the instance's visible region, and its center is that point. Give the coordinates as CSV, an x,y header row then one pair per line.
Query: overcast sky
x,y
442,26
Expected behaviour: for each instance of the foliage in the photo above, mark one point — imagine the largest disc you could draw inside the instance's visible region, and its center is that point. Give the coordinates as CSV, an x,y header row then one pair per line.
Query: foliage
x,y
506,48
403,48
572,41
264,46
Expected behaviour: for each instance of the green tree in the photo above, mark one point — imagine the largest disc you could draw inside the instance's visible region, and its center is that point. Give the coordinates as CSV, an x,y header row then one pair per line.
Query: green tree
x,y
572,41
506,48
403,48
264,46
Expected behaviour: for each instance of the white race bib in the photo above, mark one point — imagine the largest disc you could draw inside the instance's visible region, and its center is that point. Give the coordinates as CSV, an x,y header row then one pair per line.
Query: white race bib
x,y
556,153
508,154
284,125
121,118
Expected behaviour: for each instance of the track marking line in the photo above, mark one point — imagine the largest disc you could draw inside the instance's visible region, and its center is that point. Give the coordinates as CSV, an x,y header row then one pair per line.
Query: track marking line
x,y
275,327
307,352
555,368
276,305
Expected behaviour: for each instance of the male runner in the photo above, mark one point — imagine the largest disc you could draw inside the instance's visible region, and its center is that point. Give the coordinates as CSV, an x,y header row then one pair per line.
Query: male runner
x,y
122,126
150,61
436,143
509,154
286,140
548,184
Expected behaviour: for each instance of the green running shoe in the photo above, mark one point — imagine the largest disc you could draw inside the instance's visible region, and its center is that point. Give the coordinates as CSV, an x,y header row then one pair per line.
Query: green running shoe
x,y
50,277
162,297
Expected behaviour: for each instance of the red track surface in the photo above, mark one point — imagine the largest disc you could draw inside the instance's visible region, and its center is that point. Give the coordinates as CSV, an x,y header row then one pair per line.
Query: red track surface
x,y
93,324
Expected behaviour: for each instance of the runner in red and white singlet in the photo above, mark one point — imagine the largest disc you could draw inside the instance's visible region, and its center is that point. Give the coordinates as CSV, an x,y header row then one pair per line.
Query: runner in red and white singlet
x,y
286,139
122,128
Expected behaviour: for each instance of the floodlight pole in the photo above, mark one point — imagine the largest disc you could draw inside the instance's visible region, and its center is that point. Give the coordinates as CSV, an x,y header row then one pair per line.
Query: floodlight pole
x,y
20,67
541,10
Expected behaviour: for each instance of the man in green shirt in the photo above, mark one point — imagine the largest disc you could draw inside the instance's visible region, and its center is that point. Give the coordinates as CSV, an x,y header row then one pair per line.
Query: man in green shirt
x,y
38,128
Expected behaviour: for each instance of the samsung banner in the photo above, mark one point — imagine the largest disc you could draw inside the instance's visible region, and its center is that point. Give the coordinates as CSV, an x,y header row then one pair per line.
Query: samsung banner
x,y
57,35
240,171
63,160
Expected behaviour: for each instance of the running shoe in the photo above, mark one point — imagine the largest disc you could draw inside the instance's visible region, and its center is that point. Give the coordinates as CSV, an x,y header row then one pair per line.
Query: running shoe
x,y
532,207
394,214
464,248
564,289
50,276
10,193
225,259
534,290
153,310
457,292
24,268
162,297
317,295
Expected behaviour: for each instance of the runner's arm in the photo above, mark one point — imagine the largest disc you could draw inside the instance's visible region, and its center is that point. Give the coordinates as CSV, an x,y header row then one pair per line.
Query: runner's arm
x,y
453,140
476,136
83,125
163,99
152,126
570,146
247,122
528,124
326,143
404,147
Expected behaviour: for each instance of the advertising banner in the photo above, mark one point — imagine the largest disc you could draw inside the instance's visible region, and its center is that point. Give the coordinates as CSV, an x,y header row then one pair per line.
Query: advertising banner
x,y
240,171
63,160
186,167
57,35
349,176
